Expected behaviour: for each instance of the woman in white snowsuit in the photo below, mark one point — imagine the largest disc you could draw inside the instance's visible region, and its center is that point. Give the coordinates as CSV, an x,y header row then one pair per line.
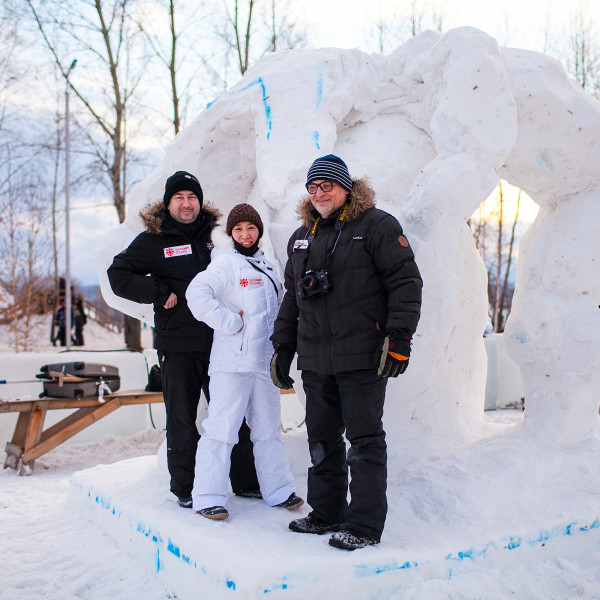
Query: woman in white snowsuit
x,y
238,295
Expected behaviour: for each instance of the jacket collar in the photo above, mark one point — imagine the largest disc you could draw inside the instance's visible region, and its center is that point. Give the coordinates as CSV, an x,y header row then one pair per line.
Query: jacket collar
x,y
361,199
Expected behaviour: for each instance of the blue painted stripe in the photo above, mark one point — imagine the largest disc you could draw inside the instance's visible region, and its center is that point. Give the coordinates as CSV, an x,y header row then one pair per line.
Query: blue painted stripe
x,y
257,82
316,139
361,571
508,543
319,91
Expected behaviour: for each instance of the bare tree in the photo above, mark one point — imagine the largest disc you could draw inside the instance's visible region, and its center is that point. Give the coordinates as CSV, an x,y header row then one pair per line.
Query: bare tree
x,y
186,59
487,227
394,25
285,32
504,294
249,34
384,30
416,16
24,246
584,50
104,37
439,15
242,30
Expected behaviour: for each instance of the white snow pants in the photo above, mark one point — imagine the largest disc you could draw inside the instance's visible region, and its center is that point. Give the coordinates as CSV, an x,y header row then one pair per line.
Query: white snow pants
x,y
233,396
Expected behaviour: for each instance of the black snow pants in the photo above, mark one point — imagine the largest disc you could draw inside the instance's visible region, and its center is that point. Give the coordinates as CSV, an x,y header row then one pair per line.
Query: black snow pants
x,y
350,402
184,375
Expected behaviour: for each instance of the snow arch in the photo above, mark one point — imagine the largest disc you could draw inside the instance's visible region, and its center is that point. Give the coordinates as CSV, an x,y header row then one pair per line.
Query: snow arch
x,y
433,125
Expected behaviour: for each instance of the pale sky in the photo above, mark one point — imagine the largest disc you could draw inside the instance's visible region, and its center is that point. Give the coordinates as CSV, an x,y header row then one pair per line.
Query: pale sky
x,y
518,23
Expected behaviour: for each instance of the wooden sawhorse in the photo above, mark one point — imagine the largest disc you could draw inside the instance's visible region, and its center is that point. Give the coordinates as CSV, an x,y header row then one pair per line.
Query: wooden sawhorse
x,y
30,440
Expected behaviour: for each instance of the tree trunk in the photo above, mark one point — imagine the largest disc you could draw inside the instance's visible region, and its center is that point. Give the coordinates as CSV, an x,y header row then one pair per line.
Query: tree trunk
x,y
133,334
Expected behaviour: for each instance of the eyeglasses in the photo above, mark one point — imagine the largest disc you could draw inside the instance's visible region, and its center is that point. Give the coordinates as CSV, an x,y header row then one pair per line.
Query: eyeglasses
x,y
325,186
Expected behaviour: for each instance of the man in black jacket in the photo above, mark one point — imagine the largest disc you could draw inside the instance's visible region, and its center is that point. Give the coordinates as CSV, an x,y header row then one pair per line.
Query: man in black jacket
x,y
351,306
172,250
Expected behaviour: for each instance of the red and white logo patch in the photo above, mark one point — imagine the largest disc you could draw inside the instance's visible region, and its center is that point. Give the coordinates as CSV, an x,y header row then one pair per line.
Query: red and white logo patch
x,y
178,250
246,282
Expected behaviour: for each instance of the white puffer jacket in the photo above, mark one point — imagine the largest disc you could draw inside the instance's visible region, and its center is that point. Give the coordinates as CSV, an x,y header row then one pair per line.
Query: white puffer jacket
x,y
231,284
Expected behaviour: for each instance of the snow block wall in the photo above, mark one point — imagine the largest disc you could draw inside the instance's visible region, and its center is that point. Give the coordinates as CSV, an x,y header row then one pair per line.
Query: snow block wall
x,y
253,554
433,125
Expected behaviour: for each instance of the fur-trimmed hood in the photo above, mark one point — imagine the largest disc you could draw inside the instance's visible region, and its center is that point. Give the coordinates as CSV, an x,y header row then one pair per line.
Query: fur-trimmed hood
x,y
154,214
361,199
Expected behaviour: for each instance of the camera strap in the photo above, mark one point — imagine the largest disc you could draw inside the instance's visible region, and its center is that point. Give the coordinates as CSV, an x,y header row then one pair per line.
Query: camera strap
x,y
263,272
339,226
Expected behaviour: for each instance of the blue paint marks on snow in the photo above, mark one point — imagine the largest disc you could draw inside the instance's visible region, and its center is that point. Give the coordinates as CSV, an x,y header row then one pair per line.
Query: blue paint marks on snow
x,y
594,525
319,94
513,543
260,82
362,571
173,549
543,160
316,139
281,586
521,337
506,544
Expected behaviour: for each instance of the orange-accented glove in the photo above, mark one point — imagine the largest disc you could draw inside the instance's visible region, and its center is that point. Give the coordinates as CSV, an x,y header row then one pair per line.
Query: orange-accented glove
x,y
395,352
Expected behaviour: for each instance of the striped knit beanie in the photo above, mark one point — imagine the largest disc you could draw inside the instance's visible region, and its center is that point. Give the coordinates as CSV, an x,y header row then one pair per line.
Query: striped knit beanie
x,y
330,167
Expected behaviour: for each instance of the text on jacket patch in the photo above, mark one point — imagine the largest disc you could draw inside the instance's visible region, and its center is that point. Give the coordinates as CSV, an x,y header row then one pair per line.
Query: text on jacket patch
x,y
300,244
178,250
246,282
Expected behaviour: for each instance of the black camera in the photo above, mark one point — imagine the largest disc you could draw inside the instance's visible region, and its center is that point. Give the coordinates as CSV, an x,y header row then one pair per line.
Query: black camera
x,y
314,283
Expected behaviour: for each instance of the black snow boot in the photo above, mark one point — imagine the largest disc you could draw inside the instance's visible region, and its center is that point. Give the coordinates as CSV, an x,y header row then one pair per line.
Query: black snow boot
x,y
252,493
351,540
292,503
185,501
311,524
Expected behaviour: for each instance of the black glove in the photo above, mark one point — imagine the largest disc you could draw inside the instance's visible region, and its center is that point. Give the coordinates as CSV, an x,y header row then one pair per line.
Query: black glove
x,y
395,350
280,368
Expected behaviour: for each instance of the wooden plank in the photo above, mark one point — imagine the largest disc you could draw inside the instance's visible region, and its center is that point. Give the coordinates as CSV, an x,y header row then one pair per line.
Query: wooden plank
x,y
70,428
29,441
33,434
13,456
127,397
66,422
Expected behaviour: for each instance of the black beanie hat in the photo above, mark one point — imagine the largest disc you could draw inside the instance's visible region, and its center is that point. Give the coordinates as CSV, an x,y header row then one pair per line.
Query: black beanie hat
x,y
330,167
180,181
243,212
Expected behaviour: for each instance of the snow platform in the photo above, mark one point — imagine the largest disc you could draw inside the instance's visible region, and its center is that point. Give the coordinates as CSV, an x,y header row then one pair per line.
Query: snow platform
x,y
254,555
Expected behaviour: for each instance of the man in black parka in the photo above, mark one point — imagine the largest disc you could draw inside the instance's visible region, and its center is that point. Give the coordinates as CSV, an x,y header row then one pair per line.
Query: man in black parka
x,y
157,268
351,307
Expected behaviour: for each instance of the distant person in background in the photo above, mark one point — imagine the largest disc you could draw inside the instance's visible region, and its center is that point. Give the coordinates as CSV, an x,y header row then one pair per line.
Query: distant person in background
x,y
60,323
80,320
239,295
157,268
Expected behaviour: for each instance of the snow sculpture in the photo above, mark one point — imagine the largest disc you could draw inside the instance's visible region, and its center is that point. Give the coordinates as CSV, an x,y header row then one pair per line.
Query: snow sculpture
x,y
434,124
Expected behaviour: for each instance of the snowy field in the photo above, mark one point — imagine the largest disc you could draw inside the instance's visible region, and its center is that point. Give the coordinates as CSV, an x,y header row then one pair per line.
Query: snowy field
x,y
54,550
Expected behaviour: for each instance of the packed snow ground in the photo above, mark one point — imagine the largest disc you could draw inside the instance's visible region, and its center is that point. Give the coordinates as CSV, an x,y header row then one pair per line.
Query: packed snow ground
x,y
54,551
